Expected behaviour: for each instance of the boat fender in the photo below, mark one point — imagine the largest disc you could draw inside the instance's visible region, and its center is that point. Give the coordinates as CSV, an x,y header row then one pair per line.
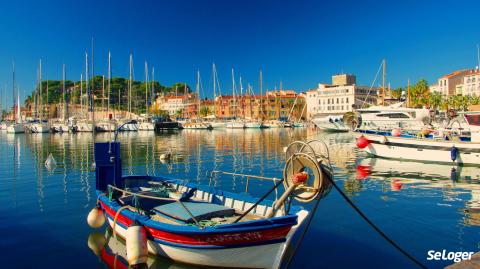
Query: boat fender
x,y
96,218
50,163
136,241
362,142
453,174
97,242
396,132
454,153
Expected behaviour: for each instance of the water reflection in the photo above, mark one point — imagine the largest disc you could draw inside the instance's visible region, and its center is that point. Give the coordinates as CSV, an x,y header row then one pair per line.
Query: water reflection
x,y
455,183
426,201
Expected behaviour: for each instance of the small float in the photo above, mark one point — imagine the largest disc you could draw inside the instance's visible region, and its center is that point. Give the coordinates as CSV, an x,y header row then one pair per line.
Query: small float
x,y
201,225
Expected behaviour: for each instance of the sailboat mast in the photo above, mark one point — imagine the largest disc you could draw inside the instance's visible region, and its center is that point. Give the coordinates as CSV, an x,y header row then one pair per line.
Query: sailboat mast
x,y
86,76
214,90
198,93
261,94
64,99
146,88
81,93
233,92
109,82
14,93
40,90
103,93
130,86
242,98
152,94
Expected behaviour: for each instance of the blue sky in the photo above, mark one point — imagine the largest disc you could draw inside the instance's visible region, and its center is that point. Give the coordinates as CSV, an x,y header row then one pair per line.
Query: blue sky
x,y
300,43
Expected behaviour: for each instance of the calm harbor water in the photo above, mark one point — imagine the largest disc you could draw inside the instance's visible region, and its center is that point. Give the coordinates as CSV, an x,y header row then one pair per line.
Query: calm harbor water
x,y
421,206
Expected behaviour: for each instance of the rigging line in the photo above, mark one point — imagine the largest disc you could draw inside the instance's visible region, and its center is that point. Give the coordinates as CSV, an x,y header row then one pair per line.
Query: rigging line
x,y
373,83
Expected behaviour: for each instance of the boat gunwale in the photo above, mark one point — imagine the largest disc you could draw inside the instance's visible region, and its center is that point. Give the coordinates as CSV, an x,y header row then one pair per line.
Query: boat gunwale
x,y
247,226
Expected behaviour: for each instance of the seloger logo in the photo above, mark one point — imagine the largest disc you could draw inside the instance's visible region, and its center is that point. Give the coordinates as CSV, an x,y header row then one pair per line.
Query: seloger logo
x,y
448,256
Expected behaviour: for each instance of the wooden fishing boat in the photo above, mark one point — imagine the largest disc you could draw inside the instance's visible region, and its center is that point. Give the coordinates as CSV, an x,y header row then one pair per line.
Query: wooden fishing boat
x,y
201,225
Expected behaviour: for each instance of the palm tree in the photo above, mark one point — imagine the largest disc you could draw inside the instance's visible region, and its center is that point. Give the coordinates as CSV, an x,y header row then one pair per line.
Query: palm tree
x,y
435,99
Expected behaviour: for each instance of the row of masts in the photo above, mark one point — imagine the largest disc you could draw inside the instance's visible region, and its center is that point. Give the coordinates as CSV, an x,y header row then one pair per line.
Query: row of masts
x,y
86,94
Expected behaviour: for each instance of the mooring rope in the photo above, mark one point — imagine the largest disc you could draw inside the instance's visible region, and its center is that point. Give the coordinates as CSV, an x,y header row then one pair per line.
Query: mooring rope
x,y
375,227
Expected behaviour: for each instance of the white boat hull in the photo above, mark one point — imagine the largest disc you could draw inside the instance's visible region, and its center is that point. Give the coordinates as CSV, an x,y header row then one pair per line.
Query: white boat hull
x,y
218,125
330,126
105,127
262,256
131,127
253,125
83,127
146,126
16,128
59,128
202,126
235,125
40,128
423,149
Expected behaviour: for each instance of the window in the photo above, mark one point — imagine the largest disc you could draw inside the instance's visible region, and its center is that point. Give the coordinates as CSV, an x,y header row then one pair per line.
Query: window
x,y
346,100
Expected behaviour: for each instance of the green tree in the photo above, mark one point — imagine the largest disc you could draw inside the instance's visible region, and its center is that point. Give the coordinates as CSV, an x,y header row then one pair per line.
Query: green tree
x,y
435,100
397,93
419,90
204,111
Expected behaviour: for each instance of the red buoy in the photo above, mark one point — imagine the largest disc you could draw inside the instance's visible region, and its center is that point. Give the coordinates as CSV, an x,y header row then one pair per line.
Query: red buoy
x,y
362,142
396,132
396,185
363,172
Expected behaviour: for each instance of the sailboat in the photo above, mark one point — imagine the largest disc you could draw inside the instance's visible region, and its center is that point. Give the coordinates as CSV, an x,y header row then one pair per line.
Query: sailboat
x,y
40,126
146,123
18,126
235,123
197,123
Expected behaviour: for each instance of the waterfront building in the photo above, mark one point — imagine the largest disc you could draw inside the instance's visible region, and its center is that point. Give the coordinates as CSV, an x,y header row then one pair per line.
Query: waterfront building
x,y
447,84
177,105
471,84
274,105
339,97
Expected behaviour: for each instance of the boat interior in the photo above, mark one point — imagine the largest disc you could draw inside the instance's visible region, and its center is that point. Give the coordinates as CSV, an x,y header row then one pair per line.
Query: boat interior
x,y
190,204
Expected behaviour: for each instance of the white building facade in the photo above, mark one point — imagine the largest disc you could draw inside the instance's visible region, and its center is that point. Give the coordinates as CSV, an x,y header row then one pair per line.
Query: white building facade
x,y
339,99
471,83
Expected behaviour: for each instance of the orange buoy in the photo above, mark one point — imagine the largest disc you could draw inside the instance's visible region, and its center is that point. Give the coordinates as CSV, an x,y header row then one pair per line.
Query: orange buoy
x,y
362,142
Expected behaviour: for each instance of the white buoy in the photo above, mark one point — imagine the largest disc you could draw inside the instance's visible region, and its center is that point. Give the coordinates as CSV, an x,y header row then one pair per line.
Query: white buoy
x,y
96,218
50,163
166,156
96,242
136,239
